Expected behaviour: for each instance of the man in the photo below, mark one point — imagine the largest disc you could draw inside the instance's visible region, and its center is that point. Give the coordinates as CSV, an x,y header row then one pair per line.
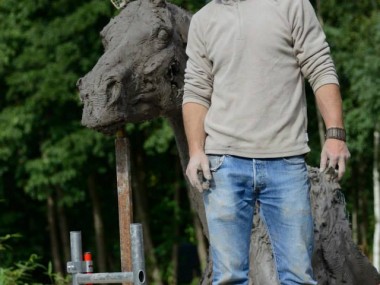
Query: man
x,y
244,112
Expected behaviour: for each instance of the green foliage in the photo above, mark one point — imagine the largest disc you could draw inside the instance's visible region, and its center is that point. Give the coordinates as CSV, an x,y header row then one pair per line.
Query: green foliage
x,y
159,136
56,278
21,272
45,47
42,106
64,161
3,245
353,31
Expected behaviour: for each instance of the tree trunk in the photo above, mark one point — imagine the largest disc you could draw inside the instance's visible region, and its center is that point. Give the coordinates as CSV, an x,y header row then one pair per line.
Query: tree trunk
x,y
376,194
195,198
321,129
363,208
139,195
54,244
354,222
199,235
201,242
177,200
63,227
101,253
321,126
363,224
359,211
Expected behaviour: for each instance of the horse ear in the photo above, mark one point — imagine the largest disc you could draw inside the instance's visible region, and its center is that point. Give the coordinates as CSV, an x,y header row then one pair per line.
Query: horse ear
x,y
182,21
158,3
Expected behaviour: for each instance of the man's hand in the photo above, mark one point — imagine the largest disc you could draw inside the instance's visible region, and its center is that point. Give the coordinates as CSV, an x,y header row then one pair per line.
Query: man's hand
x,y
198,163
334,154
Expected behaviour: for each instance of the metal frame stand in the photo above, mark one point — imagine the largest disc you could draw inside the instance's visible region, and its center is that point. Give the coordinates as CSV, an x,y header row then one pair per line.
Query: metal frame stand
x,y
82,270
131,241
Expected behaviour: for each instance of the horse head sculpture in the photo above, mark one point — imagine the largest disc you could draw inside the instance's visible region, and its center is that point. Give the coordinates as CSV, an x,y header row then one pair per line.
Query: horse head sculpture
x,y
140,75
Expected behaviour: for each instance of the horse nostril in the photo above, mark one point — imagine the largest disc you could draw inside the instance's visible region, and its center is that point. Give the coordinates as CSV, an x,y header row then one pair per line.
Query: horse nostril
x,y
83,97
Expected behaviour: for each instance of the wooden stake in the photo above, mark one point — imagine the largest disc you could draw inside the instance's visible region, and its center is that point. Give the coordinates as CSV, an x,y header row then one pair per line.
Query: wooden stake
x,y
124,191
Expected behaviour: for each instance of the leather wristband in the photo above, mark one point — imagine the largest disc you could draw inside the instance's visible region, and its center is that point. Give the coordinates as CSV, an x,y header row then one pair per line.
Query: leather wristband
x,y
336,133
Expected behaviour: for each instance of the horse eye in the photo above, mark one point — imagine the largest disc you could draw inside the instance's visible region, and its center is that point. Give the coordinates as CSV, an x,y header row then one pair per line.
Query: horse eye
x,y
163,35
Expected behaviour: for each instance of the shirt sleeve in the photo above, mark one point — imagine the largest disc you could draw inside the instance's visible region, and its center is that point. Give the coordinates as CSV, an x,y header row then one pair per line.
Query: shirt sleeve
x,y
310,46
198,73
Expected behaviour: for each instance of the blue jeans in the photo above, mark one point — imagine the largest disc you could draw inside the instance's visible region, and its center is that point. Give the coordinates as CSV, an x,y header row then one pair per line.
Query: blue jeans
x,y
281,187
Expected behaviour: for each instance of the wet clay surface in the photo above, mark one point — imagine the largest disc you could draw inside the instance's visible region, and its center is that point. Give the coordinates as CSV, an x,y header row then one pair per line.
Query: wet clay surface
x,y
140,77
337,259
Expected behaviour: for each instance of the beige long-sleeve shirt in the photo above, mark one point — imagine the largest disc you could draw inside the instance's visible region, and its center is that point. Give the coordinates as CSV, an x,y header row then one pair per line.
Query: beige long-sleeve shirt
x,y
247,64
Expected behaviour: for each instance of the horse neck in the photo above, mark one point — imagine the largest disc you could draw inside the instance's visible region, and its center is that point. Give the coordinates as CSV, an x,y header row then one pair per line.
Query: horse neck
x,y
176,123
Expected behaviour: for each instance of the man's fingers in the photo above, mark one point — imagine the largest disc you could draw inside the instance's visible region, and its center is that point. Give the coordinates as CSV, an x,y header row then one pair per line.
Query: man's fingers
x,y
341,167
335,153
205,175
333,161
198,172
338,163
192,175
206,170
323,163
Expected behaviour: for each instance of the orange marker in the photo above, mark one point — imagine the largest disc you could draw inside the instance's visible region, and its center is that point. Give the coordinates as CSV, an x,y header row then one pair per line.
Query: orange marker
x,y
88,262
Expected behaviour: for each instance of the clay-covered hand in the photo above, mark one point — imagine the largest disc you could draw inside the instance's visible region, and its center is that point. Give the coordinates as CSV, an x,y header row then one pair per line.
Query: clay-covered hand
x,y
198,171
335,154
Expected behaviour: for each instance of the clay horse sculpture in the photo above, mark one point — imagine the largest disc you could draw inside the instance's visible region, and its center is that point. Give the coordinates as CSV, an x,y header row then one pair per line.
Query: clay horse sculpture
x,y
140,77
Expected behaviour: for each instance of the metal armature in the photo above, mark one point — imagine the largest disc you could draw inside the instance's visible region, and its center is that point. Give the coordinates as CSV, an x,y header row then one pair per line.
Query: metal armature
x,y
131,237
82,270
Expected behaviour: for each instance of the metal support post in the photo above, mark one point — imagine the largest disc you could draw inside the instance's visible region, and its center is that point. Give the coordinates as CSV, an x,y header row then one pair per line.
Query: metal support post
x,y
80,268
138,260
75,265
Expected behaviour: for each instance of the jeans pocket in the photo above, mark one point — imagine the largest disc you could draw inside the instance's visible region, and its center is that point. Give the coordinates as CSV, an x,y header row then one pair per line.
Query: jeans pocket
x,y
294,160
216,161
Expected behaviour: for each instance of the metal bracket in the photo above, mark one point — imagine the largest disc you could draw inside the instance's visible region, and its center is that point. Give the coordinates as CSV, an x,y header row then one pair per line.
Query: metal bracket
x,y
79,267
